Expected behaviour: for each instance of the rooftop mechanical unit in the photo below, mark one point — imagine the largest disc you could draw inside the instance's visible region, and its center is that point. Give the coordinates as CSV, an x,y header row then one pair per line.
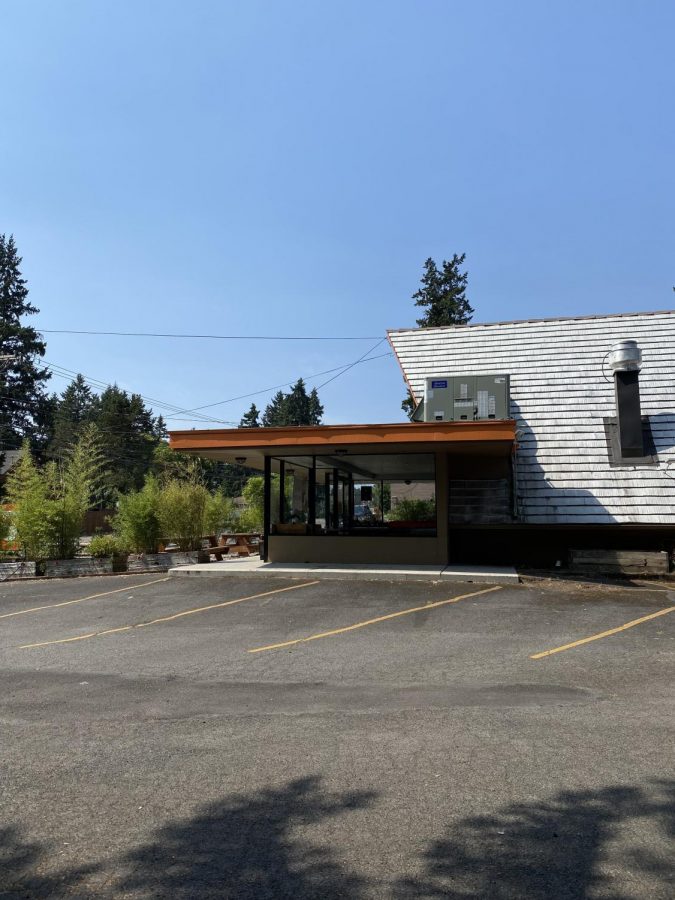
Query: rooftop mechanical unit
x,y
464,398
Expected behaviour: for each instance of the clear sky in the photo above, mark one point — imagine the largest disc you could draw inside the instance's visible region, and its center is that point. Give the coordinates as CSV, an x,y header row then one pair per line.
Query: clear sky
x,y
286,167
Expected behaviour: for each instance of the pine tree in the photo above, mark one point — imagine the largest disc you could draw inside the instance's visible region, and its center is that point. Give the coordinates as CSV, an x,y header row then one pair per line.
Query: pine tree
x,y
77,407
251,419
315,408
21,377
275,412
129,432
443,293
297,405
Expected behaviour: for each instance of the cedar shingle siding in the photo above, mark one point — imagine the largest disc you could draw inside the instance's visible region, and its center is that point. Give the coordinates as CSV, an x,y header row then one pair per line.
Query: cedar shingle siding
x,y
559,399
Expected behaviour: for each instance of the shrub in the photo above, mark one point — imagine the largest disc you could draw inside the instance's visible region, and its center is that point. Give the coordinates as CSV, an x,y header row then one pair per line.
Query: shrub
x,y
28,493
181,512
412,511
251,518
5,524
219,513
50,503
136,524
104,545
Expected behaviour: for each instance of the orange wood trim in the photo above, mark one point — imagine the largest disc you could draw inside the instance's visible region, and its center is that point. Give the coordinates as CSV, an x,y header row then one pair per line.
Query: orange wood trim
x,y
343,435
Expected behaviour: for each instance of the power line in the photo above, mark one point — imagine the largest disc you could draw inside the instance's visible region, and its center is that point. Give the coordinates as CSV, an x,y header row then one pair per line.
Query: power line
x,y
355,363
62,372
277,387
212,337
69,374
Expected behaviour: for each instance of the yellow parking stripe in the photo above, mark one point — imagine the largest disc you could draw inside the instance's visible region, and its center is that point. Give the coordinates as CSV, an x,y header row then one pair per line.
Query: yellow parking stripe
x,y
403,612
130,587
603,634
186,612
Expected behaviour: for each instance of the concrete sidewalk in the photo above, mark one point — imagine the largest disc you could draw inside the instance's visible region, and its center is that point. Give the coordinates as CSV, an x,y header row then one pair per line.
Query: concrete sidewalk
x,y
255,567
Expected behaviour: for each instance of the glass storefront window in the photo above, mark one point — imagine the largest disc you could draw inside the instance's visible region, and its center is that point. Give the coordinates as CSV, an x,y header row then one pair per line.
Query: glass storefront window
x,y
360,494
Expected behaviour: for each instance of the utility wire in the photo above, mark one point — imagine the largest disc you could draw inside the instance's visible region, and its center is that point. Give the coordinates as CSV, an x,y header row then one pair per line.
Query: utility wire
x,y
355,363
62,372
277,387
213,337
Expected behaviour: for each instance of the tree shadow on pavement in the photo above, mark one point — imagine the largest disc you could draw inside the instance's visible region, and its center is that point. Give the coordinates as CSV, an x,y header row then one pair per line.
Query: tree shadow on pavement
x,y
545,850
19,864
246,846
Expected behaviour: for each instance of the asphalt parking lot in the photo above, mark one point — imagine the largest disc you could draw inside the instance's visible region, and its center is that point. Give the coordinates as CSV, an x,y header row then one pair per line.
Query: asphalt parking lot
x,y
266,738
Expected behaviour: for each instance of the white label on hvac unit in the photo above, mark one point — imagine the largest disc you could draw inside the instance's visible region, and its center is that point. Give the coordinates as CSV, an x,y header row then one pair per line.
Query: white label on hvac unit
x,y
463,391
482,397
500,380
492,406
430,394
464,403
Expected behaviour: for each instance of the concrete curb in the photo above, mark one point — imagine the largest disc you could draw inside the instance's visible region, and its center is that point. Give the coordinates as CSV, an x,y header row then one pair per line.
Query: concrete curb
x,y
462,574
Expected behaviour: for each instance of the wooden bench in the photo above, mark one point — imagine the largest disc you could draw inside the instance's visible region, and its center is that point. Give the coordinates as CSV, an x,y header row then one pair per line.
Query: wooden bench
x,y
241,544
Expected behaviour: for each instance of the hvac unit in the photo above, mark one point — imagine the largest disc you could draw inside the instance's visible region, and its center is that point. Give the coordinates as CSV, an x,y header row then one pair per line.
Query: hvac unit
x,y
466,398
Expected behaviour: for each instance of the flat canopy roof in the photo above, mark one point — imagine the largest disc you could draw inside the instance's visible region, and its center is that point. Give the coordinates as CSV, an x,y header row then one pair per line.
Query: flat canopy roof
x,y
485,437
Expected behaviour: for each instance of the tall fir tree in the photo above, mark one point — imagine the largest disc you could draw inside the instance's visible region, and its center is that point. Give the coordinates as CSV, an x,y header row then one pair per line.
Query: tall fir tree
x,y
297,404
443,294
129,431
295,408
275,411
251,419
76,408
22,378
315,408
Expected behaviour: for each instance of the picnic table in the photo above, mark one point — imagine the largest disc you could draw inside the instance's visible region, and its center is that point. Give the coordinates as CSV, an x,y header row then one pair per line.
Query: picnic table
x,y
241,544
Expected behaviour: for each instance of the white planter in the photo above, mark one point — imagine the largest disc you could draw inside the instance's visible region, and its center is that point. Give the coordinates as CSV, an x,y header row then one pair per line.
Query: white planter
x,y
87,565
14,571
162,562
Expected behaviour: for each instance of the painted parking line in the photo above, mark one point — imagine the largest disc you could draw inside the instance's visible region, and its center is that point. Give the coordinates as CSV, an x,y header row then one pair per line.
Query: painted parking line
x,y
130,587
171,618
604,634
395,615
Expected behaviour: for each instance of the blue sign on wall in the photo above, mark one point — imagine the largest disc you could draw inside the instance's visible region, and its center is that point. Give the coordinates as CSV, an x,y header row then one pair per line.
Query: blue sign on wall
x,y
439,384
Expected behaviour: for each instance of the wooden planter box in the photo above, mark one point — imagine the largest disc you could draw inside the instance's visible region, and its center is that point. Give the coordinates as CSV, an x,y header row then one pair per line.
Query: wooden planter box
x,y
619,562
162,562
14,571
86,565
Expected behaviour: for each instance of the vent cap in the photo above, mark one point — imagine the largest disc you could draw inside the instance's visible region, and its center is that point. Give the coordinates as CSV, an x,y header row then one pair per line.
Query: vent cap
x,y
625,356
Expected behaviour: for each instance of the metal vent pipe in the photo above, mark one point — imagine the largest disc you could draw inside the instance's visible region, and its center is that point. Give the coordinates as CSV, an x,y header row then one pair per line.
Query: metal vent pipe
x,y
625,360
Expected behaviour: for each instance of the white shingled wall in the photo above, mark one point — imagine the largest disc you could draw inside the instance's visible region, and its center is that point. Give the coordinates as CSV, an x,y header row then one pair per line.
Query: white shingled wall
x,y
559,398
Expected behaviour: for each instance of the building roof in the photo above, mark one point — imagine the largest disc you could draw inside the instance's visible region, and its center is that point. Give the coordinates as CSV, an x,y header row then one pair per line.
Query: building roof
x,y
628,315
400,437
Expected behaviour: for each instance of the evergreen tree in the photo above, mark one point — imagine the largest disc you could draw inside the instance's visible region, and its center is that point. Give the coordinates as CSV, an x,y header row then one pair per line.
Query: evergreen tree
x,y
44,417
275,411
160,429
251,419
443,293
295,408
315,408
129,432
21,376
77,407
297,405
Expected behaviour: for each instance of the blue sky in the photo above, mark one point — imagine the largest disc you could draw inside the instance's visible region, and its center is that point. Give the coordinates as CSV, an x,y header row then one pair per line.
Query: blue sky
x,y
286,167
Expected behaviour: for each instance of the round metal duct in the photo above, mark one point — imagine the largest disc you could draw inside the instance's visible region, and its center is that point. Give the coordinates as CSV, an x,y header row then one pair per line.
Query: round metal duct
x,y
625,356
